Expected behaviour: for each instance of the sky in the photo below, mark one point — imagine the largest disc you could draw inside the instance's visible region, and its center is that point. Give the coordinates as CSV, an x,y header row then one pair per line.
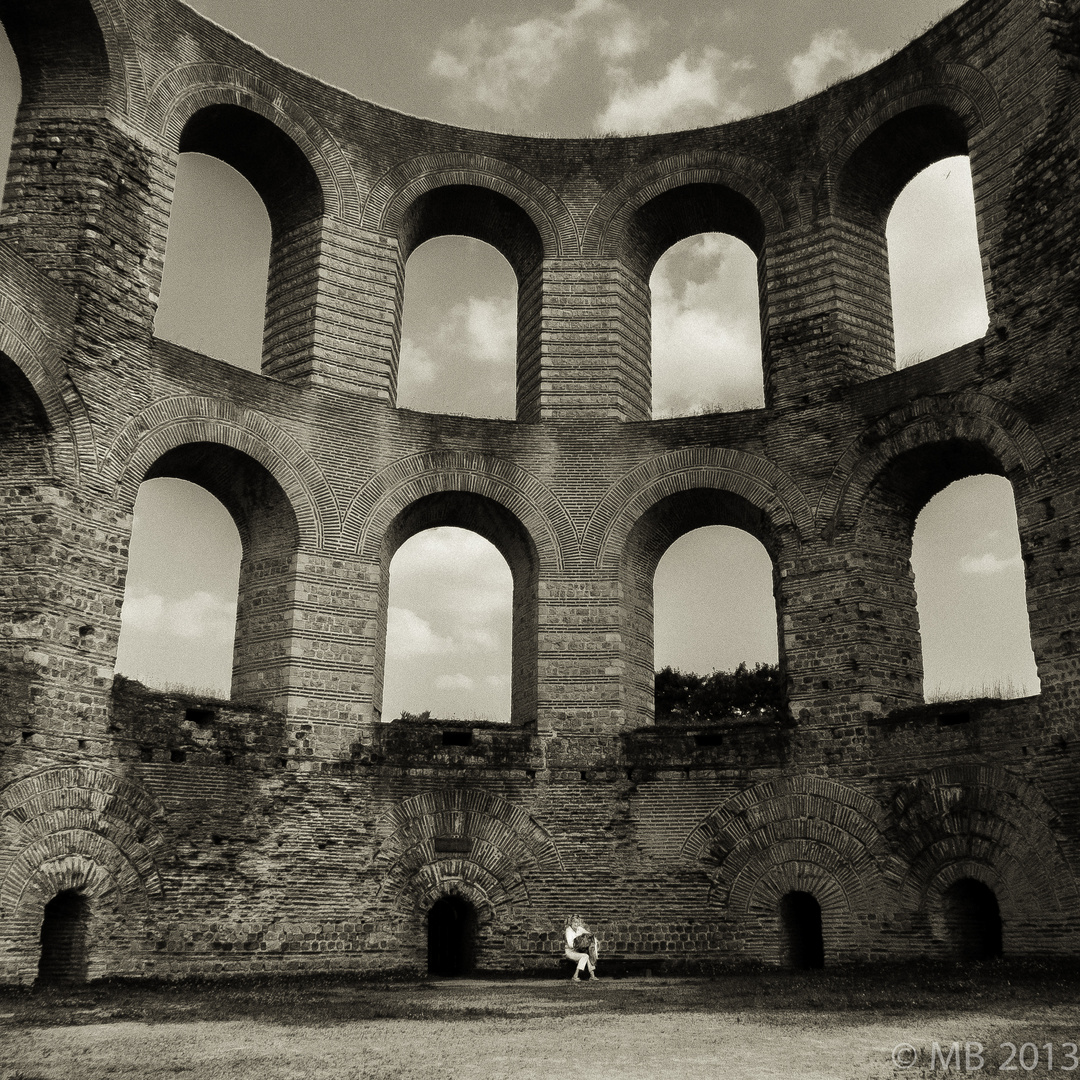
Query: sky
x,y
575,67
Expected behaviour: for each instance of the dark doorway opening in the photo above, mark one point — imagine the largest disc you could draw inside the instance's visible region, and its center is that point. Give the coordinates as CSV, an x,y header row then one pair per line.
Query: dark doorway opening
x,y
451,937
800,920
972,920
64,953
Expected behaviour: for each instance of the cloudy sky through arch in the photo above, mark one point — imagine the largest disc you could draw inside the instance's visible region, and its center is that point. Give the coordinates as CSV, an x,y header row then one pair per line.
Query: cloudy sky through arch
x,y
577,67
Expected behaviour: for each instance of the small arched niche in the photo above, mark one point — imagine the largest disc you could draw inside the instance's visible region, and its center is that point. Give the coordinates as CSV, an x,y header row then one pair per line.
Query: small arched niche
x,y
972,920
452,927
65,926
935,267
802,945
459,330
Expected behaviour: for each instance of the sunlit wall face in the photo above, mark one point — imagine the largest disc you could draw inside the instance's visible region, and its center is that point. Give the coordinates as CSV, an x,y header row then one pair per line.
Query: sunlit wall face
x,y
458,330
706,328
969,578
935,270
178,621
713,605
213,286
449,628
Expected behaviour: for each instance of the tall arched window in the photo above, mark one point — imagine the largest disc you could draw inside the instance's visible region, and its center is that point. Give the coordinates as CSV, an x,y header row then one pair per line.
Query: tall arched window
x,y
935,269
179,616
10,93
213,287
469,285
694,562
713,605
459,330
969,579
706,327
449,628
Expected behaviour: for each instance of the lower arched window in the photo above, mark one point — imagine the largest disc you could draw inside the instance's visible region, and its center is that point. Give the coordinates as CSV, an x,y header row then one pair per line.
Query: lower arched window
x,y
449,628
969,580
179,615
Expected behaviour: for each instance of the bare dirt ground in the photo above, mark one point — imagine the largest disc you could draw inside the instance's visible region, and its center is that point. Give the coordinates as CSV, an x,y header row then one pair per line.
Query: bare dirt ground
x,y
841,1024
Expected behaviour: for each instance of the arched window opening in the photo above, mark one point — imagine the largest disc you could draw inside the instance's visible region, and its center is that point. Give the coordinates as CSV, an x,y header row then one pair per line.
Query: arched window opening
x,y
479,315
178,622
972,920
935,269
459,330
706,328
213,286
449,628
64,945
718,585
969,579
10,94
451,937
802,943
713,611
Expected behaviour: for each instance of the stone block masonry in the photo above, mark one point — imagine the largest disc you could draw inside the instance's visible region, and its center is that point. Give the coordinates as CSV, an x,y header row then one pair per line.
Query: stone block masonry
x,y
289,829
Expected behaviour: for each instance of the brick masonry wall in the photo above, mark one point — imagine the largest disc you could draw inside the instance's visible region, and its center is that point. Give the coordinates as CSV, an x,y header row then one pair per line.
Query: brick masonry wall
x,y
288,829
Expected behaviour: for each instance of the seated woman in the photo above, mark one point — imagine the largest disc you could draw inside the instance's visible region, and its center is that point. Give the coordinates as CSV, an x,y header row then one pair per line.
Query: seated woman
x,y
581,947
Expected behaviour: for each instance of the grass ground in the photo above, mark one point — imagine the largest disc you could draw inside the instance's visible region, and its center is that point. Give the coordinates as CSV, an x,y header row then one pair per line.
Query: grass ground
x,y
831,1025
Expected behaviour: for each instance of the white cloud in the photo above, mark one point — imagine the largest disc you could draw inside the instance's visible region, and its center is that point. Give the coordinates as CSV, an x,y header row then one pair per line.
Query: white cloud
x,y
487,328
409,635
693,91
200,615
989,564
832,55
458,681
501,69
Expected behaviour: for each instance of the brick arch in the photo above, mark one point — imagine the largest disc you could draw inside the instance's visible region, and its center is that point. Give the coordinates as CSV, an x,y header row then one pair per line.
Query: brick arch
x,y
371,512
397,190
607,226
507,844
23,343
756,479
189,88
803,833
78,827
985,822
94,46
958,89
965,417
177,421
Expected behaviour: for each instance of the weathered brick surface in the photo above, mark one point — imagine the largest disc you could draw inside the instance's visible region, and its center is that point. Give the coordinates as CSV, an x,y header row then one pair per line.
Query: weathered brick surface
x,y
289,829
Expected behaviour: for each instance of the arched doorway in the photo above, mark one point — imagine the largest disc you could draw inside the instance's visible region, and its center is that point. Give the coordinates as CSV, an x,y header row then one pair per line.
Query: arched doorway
x,y
972,920
64,956
802,944
451,936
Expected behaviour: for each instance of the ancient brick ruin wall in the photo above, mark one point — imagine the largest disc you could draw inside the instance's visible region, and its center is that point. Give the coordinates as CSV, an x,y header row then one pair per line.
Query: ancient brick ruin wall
x,y
289,828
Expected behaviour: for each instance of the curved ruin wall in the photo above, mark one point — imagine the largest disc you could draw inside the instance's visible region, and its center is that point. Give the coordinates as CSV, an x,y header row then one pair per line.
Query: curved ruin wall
x,y
290,828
